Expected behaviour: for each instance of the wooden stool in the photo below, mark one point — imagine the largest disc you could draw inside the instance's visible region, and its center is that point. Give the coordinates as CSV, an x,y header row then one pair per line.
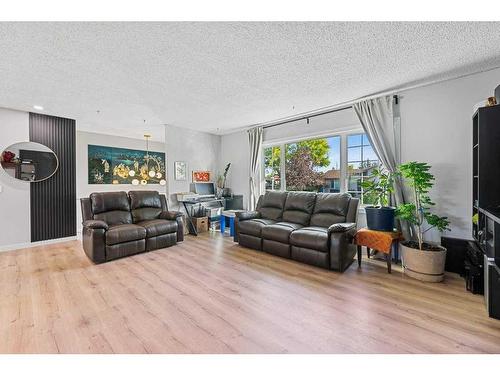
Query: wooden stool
x,y
377,240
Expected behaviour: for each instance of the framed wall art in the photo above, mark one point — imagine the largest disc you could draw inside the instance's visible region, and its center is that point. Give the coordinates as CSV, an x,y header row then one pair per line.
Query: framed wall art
x,y
202,176
112,165
180,170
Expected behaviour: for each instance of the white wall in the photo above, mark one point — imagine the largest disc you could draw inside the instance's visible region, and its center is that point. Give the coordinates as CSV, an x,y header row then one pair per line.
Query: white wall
x,y
200,150
83,188
15,194
436,127
235,150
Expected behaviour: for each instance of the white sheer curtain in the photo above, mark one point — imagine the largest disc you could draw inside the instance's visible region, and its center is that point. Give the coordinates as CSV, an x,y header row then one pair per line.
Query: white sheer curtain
x,y
255,178
381,125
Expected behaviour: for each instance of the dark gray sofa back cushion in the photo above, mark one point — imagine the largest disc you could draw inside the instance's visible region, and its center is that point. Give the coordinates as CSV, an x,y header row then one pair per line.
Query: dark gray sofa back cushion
x,y
330,208
271,204
111,207
146,205
299,207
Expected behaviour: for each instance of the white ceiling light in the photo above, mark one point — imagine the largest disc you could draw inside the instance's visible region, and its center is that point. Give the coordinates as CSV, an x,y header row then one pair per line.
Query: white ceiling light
x,y
38,107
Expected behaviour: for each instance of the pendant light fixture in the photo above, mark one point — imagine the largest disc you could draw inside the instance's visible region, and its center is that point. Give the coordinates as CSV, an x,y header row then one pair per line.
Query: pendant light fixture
x,y
147,172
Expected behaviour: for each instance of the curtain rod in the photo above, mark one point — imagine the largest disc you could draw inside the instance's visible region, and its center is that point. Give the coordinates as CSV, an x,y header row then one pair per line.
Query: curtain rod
x,y
303,117
312,114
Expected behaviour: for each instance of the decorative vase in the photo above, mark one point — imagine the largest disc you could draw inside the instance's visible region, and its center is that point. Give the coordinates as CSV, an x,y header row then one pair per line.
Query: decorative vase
x,y
380,218
423,265
491,101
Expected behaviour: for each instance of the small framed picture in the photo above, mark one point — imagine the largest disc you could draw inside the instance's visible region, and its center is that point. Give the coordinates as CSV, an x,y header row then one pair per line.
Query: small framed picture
x,y
180,168
202,176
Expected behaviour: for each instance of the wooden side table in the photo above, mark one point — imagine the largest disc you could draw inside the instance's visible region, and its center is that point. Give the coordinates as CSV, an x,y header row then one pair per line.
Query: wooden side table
x,y
377,240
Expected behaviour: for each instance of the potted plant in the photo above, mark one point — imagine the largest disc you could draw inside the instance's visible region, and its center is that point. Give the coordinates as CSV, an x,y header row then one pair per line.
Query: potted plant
x,y
421,260
221,182
377,189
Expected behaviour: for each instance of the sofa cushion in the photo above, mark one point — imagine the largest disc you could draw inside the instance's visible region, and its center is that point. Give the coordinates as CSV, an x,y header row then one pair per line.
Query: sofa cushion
x,y
145,205
330,209
311,238
280,231
111,207
271,205
144,198
125,233
109,201
254,226
299,207
158,227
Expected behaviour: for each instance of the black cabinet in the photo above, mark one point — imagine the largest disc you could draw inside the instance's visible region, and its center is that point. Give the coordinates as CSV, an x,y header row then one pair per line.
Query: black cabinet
x,y
485,164
492,289
486,199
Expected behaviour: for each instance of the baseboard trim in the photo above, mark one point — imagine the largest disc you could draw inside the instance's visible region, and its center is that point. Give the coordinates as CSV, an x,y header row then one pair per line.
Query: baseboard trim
x,y
27,245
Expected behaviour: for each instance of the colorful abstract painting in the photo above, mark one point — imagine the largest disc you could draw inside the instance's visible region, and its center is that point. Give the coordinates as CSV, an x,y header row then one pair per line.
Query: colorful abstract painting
x,y
201,176
112,165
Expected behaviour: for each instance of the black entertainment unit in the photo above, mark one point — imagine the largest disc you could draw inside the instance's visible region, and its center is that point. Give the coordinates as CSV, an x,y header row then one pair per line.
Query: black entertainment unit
x,y
486,200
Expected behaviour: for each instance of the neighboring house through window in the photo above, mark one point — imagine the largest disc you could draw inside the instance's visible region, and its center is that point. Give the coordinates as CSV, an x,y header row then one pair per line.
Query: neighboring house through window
x,y
317,165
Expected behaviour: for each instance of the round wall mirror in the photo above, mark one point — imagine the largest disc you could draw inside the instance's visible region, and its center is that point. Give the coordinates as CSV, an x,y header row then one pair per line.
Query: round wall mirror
x,y
29,161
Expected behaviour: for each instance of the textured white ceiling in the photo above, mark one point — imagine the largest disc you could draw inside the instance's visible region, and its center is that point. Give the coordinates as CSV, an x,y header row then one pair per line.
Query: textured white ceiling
x,y
219,76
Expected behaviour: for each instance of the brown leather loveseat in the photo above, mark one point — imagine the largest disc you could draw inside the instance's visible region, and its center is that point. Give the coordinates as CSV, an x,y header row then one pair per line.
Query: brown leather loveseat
x,y
312,228
117,224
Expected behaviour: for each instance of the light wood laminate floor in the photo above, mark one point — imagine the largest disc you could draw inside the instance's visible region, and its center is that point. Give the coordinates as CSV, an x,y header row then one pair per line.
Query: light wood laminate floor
x,y
209,295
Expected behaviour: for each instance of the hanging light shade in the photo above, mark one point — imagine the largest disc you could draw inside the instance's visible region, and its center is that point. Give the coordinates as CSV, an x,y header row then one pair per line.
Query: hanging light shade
x,y
145,172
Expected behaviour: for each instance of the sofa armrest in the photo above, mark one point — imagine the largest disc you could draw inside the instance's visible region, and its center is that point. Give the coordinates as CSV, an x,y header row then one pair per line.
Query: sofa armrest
x,y
179,218
170,215
94,243
342,248
341,227
95,224
247,215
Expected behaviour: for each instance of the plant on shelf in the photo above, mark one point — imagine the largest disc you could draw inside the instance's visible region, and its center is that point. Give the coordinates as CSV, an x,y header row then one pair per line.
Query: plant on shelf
x,y
377,188
422,260
221,180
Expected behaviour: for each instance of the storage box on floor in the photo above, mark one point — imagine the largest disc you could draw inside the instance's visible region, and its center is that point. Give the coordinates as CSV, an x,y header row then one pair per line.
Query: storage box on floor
x,y
200,223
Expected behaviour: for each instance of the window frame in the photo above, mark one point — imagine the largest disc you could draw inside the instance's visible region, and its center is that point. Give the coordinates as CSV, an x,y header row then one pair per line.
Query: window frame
x,y
362,177
344,134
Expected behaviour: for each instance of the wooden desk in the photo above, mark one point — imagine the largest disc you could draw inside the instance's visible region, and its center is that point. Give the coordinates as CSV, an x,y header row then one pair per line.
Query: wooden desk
x,y
188,204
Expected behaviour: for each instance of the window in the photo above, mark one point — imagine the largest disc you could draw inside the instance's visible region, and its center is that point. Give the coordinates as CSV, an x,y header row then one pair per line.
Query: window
x,y
361,160
272,167
316,165
313,165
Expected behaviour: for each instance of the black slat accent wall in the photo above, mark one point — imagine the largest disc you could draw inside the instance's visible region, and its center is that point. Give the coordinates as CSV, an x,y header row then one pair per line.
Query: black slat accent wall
x,y
53,201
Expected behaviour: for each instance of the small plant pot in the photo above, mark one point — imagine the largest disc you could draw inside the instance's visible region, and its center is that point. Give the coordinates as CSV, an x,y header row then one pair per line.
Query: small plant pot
x,y
423,265
380,218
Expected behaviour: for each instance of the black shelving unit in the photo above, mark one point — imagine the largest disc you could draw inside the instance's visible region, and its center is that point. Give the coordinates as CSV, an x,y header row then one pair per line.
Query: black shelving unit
x,y
485,164
486,199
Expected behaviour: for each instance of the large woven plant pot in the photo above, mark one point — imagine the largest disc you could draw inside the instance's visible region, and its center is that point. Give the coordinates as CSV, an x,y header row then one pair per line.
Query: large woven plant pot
x,y
424,265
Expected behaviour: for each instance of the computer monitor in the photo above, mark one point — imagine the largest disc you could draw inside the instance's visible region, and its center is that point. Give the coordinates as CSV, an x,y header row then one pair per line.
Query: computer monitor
x,y
204,188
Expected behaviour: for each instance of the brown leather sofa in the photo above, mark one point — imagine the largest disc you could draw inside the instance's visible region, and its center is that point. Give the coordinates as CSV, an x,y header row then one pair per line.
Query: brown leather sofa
x,y
312,228
117,224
